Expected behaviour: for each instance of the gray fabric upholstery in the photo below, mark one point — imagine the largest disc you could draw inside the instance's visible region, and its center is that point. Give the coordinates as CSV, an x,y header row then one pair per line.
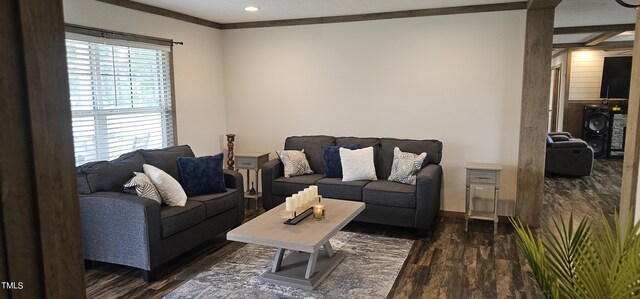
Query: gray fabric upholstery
x,y
270,171
312,146
574,143
219,202
386,202
177,219
336,188
122,229
396,216
428,186
128,230
561,133
388,193
288,186
108,175
166,159
433,148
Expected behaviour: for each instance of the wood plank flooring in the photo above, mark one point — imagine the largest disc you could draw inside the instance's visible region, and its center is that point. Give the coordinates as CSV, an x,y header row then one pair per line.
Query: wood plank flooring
x,y
453,264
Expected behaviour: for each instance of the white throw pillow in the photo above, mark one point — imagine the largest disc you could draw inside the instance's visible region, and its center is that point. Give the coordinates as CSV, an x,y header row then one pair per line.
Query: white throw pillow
x,y
170,190
405,166
144,187
357,164
295,163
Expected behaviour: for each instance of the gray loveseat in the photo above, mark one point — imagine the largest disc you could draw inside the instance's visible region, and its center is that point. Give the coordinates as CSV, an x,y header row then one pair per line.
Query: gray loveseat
x,y
567,156
129,230
387,202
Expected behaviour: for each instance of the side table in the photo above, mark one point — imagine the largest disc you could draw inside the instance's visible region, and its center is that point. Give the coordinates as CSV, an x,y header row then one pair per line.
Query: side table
x,y
251,161
482,176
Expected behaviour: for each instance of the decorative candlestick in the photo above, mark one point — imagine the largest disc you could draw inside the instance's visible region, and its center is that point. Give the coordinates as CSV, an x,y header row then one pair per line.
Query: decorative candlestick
x,y
230,159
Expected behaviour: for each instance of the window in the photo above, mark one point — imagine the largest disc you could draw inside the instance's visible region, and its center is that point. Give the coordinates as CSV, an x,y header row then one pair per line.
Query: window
x,y
120,94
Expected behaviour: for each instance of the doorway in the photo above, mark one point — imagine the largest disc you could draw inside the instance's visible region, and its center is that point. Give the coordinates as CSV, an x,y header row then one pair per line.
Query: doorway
x,y
553,99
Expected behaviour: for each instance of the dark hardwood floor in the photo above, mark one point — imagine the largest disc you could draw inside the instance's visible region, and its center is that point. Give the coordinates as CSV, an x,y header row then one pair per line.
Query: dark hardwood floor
x,y
453,264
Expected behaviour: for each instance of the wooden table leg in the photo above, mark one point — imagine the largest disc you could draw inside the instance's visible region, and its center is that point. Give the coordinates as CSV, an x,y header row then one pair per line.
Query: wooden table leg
x,y
277,262
311,265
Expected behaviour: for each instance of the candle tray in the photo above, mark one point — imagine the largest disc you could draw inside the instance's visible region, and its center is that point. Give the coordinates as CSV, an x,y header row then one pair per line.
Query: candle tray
x,y
299,217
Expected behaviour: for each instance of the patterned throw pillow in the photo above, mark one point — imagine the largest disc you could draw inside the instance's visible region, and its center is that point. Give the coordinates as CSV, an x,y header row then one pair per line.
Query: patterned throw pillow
x,y
357,164
405,166
170,190
143,186
295,163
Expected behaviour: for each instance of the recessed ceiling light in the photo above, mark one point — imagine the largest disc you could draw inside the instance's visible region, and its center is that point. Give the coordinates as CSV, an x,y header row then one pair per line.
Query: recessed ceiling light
x,y
251,8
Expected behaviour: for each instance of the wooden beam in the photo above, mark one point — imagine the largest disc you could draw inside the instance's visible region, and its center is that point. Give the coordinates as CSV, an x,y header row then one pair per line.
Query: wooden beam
x,y
542,4
39,218
163,12
592,29
534,115
601,38
381,16
630,172
603,45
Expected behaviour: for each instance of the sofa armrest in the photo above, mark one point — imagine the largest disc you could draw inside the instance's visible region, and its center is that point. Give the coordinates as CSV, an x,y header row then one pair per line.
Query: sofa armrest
x,y
233,179
122,229
428,185
270,171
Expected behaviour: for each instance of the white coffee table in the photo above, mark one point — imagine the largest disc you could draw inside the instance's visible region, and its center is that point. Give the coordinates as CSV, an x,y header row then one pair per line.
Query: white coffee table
x,y
304,267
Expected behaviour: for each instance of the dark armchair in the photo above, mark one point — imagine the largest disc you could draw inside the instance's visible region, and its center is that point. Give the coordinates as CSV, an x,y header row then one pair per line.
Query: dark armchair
x,y
567,156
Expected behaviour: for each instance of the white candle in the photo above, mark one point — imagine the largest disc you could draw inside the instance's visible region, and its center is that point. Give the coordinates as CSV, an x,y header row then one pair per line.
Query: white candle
x,y
314,192
297,199
289,203
307,195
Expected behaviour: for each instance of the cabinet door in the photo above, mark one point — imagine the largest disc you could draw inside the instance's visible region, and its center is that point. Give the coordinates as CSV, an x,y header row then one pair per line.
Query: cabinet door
x,y
482,198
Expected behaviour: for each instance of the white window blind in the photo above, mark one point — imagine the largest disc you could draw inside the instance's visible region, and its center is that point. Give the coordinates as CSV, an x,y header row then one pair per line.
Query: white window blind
x,y
120,96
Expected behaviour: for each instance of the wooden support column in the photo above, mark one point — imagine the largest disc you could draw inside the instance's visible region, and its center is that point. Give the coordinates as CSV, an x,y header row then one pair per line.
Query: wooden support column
x,y
41,245
534,114
629,192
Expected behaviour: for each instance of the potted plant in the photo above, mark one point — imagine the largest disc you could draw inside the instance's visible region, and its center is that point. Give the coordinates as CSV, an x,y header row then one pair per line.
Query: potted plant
x,y
590,260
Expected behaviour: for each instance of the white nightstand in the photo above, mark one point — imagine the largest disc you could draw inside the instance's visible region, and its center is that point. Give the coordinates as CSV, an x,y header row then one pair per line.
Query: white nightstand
x,y
482,177
251,161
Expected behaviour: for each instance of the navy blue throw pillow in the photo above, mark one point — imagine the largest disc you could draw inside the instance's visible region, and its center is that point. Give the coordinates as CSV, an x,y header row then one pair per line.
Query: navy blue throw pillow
x,y
202,175
331,156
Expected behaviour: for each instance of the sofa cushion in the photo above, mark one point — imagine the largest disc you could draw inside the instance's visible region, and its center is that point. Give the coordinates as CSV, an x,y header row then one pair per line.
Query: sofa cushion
x,y
202,175
177,219
143,187
108,175
295,162
288,186
167,159
331,157
336,188
357,164
433,148
557,138
388,193
405,166
170,190
312,146
219,202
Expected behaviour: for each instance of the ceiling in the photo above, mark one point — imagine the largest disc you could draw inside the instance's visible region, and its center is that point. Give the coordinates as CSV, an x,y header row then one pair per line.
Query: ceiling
x,y
569,13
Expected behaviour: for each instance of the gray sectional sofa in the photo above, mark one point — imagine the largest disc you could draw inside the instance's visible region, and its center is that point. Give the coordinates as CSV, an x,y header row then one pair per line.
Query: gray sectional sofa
x,y
125,229
387,202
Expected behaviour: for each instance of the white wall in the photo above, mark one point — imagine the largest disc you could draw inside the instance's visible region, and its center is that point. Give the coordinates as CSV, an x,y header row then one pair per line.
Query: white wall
x,y
198,74
454,78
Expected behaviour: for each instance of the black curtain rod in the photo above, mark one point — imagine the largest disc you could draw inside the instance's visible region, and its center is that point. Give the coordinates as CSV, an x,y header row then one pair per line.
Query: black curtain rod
x,y
98,32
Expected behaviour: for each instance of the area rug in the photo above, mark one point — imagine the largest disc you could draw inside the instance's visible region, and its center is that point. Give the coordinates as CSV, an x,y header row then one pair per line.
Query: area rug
x,y
369,270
